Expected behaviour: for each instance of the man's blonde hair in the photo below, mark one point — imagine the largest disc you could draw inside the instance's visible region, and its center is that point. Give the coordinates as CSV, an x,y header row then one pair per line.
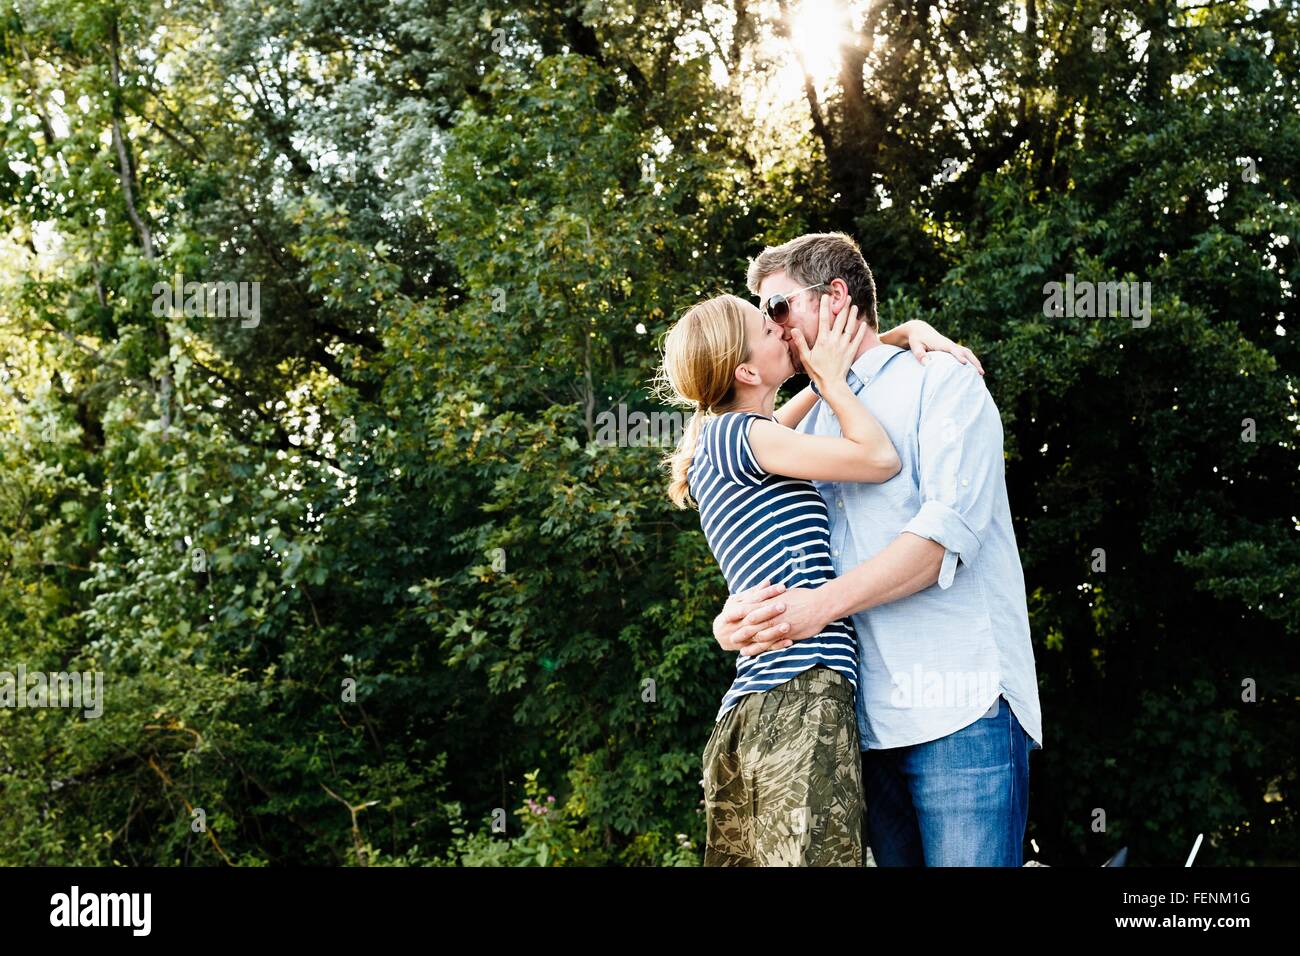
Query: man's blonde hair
x,y
815,259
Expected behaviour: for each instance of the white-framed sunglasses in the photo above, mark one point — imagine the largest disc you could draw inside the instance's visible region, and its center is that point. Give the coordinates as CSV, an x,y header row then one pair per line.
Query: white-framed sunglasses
x,y
777,307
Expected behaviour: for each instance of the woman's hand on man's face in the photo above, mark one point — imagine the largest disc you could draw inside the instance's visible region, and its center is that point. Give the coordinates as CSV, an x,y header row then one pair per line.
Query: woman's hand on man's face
x,y
838,339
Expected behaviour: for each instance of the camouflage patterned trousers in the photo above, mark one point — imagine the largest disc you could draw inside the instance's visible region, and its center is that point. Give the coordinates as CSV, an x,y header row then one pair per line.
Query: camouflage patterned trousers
x,y
783,777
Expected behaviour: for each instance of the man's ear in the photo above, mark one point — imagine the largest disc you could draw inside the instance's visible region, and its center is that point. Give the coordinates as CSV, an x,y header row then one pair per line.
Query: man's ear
x,y
838,290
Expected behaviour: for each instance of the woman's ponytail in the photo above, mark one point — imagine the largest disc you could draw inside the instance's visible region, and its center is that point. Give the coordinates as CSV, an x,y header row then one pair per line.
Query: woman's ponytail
x,y
701,354
679,462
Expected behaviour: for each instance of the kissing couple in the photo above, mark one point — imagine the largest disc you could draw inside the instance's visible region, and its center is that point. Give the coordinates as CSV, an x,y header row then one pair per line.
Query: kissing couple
x,y
884,674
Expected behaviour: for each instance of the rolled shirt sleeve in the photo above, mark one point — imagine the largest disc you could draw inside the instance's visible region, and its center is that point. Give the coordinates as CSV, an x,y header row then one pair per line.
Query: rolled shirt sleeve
x,y
959,460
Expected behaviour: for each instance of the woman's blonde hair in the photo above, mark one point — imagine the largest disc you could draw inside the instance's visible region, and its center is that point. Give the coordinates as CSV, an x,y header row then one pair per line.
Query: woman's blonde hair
x,y
701,353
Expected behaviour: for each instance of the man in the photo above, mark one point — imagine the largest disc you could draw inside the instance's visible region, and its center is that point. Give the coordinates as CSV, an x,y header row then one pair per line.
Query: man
x,y
926,563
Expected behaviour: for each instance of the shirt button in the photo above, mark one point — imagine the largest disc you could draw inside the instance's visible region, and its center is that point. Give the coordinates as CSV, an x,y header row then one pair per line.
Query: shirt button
x,y
965,482
835,553
840,502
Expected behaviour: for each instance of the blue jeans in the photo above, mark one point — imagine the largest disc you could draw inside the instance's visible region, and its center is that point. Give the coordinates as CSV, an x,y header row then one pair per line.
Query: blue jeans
x,y
961,800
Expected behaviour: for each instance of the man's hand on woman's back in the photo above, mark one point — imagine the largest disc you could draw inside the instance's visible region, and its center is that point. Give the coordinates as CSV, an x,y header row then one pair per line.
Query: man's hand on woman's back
x,y
741,625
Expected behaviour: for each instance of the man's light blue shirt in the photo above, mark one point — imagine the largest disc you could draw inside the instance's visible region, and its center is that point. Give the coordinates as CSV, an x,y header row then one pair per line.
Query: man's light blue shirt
x,y
935,661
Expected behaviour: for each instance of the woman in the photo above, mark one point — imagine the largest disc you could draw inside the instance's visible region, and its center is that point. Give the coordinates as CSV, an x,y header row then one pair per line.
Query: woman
x,y
782,768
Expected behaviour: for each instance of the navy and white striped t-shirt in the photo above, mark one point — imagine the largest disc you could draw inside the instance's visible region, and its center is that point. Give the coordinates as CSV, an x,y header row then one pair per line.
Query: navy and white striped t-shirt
x,y
764,527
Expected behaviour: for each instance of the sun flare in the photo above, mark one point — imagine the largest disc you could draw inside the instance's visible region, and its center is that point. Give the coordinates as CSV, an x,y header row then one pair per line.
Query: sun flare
x,y
816,29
